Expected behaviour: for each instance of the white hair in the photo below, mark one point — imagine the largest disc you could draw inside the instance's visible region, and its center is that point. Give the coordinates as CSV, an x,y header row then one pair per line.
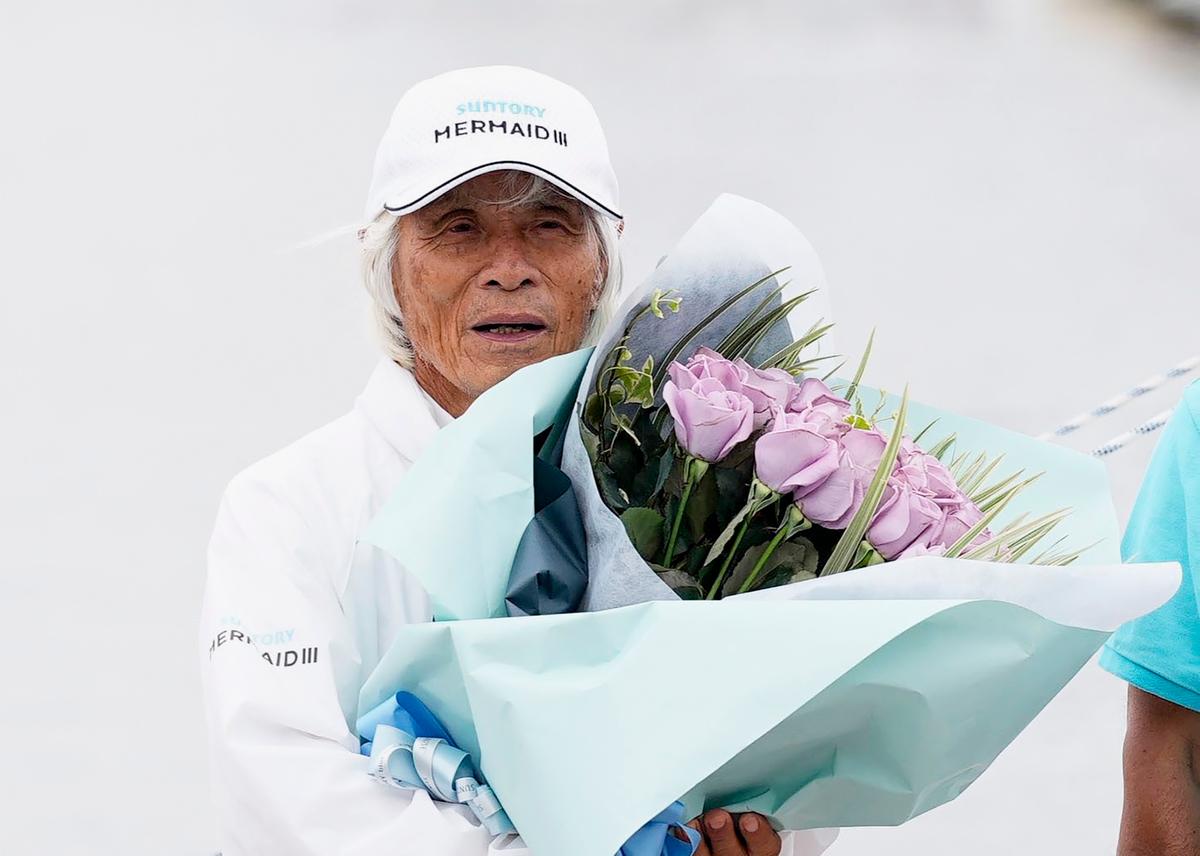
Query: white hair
x,y
381,237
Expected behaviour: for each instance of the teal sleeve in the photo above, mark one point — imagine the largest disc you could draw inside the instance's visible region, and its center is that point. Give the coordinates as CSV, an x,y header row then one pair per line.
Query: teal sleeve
x,y
1160,652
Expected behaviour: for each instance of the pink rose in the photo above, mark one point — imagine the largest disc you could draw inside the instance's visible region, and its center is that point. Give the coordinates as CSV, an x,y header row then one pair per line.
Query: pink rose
x,y
707,363
961,516
926,474
821,405
917,549
768,389
833,502
793,455
813,393
903,517
710,418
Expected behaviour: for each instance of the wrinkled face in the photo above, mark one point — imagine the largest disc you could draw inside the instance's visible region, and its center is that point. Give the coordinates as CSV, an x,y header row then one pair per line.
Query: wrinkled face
x,y
486,288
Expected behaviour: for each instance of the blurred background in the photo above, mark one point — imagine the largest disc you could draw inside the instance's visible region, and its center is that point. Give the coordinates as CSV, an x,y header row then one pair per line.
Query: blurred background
x,y
1008,189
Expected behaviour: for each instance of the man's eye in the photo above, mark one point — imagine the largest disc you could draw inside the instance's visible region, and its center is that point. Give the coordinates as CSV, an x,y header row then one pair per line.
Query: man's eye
x,y
551,224
461,227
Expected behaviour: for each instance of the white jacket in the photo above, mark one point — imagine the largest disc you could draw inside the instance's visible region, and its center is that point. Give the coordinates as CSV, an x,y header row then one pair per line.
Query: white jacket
x,y
296,615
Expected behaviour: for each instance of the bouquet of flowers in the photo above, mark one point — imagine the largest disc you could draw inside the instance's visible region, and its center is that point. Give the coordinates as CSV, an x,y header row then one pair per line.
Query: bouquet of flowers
x,y
823,487
686,500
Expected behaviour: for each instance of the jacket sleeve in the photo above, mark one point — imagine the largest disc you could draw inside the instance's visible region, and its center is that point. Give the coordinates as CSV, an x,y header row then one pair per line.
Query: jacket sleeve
x,y
280,673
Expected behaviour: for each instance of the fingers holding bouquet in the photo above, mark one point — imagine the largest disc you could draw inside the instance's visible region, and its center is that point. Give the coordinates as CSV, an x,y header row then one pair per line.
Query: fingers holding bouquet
x,y
724,834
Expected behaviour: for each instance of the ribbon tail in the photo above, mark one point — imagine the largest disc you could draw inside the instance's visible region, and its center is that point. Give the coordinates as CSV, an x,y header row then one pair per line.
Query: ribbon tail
x,y
657,837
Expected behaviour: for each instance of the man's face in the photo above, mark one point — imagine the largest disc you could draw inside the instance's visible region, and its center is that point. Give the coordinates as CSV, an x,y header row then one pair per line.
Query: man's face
x,y
487,288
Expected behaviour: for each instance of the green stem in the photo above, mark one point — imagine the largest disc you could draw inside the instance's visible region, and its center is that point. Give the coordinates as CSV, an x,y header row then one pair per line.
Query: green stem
x,y
760,497
792,523
730,551
780,534
693,471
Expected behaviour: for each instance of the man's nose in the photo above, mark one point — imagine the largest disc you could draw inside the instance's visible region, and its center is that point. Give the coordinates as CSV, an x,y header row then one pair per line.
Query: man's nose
x,y
509,266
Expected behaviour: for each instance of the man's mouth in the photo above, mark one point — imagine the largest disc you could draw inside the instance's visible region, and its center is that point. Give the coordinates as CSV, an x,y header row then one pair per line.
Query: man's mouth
x,y
506,329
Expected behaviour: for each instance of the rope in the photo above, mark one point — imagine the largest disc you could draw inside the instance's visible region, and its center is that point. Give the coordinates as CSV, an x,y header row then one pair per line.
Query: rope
x,y
1148,385
1122,440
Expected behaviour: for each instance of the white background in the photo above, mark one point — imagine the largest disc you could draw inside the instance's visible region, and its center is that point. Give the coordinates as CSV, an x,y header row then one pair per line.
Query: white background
x,y
1007,189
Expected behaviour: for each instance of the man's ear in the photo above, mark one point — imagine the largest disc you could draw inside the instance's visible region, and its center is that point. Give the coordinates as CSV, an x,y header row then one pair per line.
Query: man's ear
x,y
601,279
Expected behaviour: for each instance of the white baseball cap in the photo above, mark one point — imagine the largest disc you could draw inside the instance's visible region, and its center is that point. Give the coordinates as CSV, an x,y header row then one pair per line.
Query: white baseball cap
x,y
453,127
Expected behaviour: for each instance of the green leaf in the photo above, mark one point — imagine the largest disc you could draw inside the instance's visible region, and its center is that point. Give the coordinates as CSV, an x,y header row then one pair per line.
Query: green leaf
x,y
833,371
804,366
968,468
739,455
661,298
867,556
973,483
714,552
847,545
702,504
610,491
862,368
591,443
680,582
731,489
718,546
797,559
925,430
998,487
879,406
649,479
684,540
621,422
633,385
1020,534
759,497
690,336
593,411
644,527
786,354
665,463
943,446
764,326
625,458
955,549
1037,560
739,330
991,502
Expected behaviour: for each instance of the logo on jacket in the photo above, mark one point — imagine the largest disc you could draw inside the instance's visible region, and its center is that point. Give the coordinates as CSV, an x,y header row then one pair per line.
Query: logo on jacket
x,y
284,658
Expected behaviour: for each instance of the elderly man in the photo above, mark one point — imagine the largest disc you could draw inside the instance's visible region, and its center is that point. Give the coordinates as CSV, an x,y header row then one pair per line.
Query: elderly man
x,y
1159,654
490,244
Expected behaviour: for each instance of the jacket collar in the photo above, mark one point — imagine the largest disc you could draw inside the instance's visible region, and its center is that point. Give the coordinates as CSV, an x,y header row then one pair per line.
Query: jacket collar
x,y
400,410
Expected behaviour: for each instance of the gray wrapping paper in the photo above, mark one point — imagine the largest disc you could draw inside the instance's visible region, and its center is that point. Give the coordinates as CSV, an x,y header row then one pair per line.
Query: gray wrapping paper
x,y
735,242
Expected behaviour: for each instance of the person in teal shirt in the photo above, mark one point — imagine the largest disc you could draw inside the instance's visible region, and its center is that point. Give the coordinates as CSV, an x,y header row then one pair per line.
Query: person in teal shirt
x,y
1159,653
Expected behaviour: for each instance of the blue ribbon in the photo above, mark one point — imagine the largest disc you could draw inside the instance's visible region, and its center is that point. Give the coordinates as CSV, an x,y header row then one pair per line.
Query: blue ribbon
x,y
657,837
410,749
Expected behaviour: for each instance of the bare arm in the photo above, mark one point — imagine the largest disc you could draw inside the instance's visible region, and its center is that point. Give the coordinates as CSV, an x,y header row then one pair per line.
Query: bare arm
x,y
1162,779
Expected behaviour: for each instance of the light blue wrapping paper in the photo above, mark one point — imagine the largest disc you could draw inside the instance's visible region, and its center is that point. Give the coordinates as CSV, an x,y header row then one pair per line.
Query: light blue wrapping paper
x,y
862,699
816,713
465,505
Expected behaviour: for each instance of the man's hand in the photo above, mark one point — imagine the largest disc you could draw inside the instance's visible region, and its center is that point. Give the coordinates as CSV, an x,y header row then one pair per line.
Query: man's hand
x,y
1162,779
741,835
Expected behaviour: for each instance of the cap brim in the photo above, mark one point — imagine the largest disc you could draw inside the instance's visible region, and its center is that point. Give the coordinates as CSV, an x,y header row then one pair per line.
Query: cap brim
x,y
399,207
